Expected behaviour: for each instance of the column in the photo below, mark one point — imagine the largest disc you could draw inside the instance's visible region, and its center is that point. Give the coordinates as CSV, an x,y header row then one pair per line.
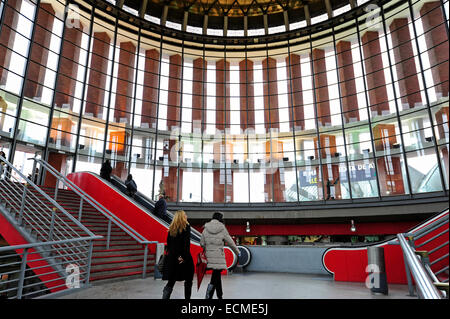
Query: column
x,y
170,173
437,44
150,94
273,178
270,88
376,82
59,162
97,75
295,98
39,51
7,36
408,80
389,166
247,94
442,117
321,87
68,66
174,94
347,83
222,95
125,79
198,99
223,156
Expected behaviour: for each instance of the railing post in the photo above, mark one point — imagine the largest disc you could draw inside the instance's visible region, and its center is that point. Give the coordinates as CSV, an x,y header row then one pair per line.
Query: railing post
x,y
52,224
22,204
23,268
108,237
144,268
56,188
88,271
33,172
408,272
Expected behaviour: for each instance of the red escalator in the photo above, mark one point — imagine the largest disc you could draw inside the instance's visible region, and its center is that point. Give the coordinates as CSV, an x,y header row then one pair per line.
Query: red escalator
x,y
349,264
134,214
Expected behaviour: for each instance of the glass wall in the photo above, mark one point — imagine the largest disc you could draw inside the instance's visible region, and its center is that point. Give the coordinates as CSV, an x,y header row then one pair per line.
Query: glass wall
x,y
356,109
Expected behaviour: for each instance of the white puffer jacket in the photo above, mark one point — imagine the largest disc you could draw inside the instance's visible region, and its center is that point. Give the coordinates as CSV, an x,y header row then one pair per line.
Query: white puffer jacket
x,y
213,238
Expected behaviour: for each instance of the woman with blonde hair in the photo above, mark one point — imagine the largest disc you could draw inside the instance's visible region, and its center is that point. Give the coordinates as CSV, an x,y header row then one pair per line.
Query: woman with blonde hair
x,y
180,265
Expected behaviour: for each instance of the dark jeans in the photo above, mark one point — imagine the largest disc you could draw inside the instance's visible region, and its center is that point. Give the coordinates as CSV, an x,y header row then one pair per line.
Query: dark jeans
x,y
216,281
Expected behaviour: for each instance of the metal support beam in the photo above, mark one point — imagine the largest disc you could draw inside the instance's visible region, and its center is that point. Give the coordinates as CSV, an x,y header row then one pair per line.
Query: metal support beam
x,y
143,8
245,26
286,19
352,3
185,21
225,26
307,15
119,3
266,24
205,24
329,9
164,15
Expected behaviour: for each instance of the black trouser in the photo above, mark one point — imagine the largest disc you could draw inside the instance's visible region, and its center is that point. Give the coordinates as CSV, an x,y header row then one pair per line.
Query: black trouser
x,y
216,281
187,287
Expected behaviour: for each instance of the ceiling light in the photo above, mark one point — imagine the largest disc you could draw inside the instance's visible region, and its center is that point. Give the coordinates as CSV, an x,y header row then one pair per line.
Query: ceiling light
x,y
352,227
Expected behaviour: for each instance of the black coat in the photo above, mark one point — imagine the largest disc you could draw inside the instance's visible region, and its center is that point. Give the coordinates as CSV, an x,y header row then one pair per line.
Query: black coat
x,y
105,171
180,245
160,208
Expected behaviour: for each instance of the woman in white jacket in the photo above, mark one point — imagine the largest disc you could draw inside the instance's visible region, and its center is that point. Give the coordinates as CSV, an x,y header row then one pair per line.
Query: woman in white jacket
x,y
213,238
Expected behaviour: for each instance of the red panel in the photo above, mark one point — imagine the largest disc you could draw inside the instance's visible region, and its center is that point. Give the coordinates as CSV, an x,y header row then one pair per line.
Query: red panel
x,y
13,237
349,264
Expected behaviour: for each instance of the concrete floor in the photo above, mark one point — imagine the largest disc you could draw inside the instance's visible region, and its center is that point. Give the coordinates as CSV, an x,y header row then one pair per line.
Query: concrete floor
x,y
249,285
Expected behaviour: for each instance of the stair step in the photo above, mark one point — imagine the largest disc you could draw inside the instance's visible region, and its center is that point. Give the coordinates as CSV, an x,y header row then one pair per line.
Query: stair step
x,y
150,259
108,268
112,276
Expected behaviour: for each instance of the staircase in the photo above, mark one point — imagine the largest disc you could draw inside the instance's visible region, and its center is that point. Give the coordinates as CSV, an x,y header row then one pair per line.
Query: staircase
x,y
125,256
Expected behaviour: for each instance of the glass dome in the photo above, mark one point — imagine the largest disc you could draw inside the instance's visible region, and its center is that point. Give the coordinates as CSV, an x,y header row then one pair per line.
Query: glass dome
x,y
349,107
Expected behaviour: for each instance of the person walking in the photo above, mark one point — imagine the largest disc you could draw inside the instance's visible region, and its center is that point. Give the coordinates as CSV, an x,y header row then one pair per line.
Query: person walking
x,y
213,238
106,170
131,186
180,265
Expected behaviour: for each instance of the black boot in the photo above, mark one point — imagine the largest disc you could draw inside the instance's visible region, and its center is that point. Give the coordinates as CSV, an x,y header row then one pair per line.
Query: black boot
x,y
167,292
209,291
219,291
187,289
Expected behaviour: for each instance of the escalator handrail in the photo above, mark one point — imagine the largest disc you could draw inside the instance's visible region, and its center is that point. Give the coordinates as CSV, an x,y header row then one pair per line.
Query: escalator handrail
x,y
194,232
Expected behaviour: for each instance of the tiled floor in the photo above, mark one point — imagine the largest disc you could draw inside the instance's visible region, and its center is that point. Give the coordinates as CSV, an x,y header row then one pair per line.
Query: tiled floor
x,y
250,285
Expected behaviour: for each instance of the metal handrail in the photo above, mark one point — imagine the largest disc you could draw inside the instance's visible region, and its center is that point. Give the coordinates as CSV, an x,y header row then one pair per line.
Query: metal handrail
x,y
28,182
44,277
84,196
112,218
57,243
425,285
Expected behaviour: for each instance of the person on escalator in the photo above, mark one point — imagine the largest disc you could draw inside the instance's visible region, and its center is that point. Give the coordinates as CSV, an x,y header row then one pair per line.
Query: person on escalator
x,y
213,238
106,170
131,186
180,265
160,209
